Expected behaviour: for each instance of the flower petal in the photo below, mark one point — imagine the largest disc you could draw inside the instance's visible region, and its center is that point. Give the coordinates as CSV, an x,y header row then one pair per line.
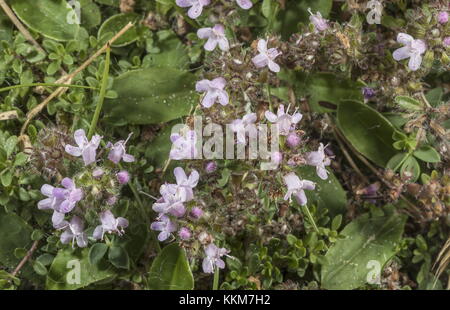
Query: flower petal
x,y
204,33
72,150
195,10
223,97
80,137
415,61
209,99
223,44
274,67
301,197
128,158
219,83
180,176
202,86
211,44
262,46
184,3
245,4
404,38
271,117
402,53
47,190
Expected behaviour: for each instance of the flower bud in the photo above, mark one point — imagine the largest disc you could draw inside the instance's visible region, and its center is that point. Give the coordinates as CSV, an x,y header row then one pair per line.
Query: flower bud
x,y
196,212
211,166
292,140
98,173
123,177
368,92
184,233
111,200
446,41
442,17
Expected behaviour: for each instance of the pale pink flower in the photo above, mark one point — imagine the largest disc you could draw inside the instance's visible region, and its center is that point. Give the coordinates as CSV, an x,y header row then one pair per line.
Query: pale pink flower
x,y
413,50
266,57
216,36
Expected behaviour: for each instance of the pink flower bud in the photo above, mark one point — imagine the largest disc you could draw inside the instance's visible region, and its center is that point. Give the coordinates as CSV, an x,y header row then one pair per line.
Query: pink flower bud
x,y
211,166
184,233
123,177
196,212
447,41
98,173
442,17
111,200
292,140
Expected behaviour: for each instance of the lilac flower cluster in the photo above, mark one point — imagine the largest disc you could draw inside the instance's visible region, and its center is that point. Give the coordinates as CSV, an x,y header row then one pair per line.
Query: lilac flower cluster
x,y
172,204
67,199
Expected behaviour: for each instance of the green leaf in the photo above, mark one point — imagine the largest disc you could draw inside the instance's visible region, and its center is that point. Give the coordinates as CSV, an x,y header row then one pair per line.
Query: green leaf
x,y
427,154
96,253
157,151
118,256
151,96
323,87
348,263
328,194
10,145
6,30
114,24
71,270
408,103
39,268
170,270
395,162
411,166
368,131
14,233
172,52
6,178
47,17
20,159
90,14
434,96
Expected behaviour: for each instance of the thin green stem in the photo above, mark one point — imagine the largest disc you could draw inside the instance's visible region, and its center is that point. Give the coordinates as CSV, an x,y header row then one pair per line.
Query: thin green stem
x,y
268,96
311,219
144,214
101,96
45,84
216,280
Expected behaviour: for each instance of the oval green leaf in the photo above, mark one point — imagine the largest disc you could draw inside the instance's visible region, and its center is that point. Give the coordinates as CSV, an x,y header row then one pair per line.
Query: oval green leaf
x,y
427,154
151,96
114,24
53,19
71,270
368,241
328,194
14,233
170,270
96,253
368,131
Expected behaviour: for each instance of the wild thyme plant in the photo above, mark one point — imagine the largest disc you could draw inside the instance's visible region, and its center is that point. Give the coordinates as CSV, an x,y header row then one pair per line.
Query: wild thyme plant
x,y
209,144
